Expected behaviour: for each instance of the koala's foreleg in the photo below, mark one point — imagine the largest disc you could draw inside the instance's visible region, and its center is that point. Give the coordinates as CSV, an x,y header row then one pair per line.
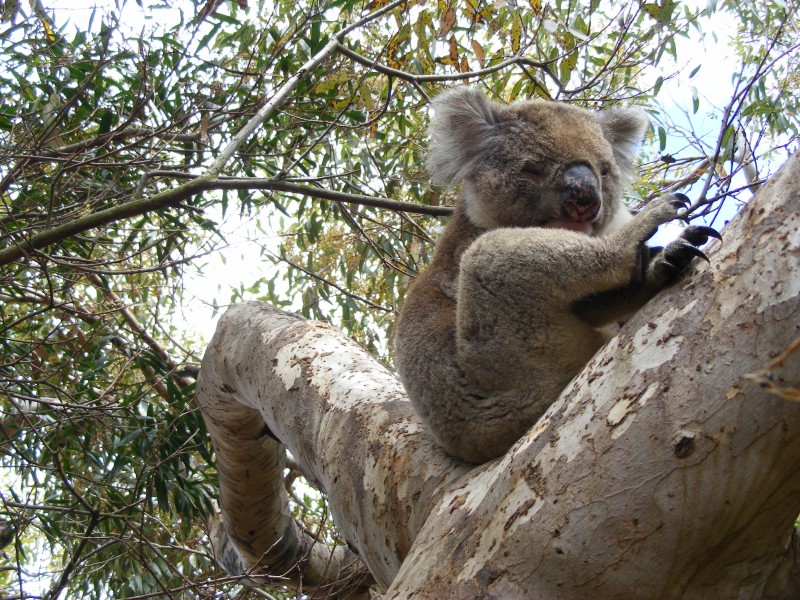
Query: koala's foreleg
x,y
515,327
657,268
519,338
518,342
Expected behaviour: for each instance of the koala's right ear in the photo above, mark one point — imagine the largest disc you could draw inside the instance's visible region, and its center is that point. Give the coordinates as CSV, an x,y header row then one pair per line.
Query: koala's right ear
x,y
463,128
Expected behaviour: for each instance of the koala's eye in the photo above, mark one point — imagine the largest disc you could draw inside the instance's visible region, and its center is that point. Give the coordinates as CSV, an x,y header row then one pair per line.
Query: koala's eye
x,y
605,171
533,171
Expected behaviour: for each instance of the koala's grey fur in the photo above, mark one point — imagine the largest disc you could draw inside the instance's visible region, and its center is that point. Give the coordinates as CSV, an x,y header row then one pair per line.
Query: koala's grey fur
x,y
540,254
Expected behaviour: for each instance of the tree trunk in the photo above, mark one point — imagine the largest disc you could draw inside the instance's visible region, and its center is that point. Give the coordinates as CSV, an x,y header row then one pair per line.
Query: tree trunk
x,y
668,468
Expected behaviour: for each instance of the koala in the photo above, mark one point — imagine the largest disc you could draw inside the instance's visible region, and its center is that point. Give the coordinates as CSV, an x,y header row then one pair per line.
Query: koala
x,y
539,257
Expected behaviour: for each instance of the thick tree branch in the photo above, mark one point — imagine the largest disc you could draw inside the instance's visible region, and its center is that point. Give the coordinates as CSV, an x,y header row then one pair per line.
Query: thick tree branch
x,y
785,580
264,539
344,418
661,472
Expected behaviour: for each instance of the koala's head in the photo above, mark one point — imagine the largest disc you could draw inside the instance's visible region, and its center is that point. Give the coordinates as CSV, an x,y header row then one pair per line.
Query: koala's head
x,y
533,163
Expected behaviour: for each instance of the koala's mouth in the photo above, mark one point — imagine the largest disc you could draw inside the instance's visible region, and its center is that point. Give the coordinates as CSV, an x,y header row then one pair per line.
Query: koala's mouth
x,y
580,214
571,225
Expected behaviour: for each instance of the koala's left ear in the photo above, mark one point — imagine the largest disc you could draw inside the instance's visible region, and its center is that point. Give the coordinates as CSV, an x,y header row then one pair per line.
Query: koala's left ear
x,y
624,128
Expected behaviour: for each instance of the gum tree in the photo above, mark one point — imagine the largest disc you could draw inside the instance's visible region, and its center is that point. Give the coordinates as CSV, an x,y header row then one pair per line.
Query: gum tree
x,y
128,147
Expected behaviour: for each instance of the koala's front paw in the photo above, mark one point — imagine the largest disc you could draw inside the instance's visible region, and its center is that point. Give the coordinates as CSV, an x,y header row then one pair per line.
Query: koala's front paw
x,y
645,223
661,210
673,260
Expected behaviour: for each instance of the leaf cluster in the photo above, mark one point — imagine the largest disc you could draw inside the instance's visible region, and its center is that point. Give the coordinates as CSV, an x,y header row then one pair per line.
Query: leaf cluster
x,y
124,174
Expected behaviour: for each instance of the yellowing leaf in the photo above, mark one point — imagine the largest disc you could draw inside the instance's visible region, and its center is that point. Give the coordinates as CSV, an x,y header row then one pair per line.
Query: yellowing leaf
x,y
394,45
340,103
424,22
536,5
333,80
654,10
453,50
448,20
478,10
452,58
516,35
366,98
479,53
426,61
48,30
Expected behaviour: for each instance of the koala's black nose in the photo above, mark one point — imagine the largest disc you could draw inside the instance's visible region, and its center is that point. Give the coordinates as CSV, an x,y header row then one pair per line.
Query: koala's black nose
x,y
580,196
580,185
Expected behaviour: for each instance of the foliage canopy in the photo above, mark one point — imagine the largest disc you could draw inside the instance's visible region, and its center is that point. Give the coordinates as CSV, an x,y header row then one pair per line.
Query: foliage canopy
x,y
131,145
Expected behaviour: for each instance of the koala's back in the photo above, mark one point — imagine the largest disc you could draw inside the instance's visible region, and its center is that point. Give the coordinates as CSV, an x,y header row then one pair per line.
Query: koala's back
x,y
426,326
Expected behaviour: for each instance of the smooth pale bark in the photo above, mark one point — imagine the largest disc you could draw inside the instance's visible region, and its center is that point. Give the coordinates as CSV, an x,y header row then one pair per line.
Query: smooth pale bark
x,y
663,471
347,423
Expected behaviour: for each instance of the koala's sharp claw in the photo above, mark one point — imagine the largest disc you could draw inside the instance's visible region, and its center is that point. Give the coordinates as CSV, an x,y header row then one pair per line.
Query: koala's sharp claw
x,y
707,231
688,248
698,235
700,254
681,199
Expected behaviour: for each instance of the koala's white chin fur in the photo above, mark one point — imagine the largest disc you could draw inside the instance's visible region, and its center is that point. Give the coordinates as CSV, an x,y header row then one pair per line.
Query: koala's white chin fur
x,y
476,211
618,220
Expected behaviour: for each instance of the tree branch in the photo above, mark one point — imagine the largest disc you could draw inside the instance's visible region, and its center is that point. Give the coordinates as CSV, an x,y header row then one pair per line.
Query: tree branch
x,y
317,192
358,439
172,198
255,515
518,60
660,472
165,199
280,96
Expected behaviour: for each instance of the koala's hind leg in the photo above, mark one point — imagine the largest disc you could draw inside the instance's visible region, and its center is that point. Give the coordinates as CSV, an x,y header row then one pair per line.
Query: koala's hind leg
x,y
486,427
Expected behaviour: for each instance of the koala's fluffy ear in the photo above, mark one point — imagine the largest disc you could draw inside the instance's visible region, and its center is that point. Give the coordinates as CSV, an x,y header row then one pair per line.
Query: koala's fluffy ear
x,y
624,128
463,127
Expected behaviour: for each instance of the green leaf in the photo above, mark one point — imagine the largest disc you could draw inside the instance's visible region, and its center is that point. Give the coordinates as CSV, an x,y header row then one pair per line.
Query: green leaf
x,y
657,86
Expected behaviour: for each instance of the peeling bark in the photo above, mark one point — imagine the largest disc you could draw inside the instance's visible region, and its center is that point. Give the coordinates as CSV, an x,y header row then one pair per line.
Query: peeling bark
x,y
662,471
